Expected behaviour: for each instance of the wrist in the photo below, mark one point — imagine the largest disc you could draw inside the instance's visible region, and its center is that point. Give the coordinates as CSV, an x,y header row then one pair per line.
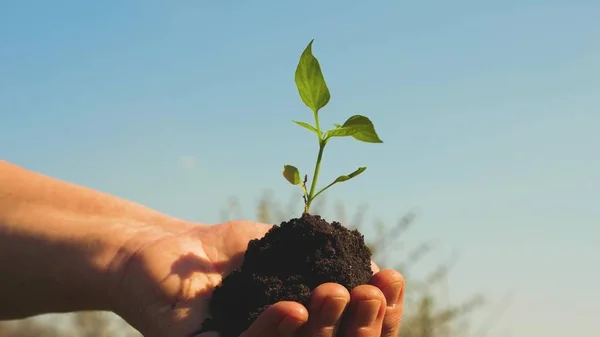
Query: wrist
x,y
121,253
141,266
116,243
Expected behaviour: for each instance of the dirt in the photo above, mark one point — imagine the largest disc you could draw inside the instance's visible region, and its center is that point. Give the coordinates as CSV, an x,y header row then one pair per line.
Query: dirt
x,y
289,262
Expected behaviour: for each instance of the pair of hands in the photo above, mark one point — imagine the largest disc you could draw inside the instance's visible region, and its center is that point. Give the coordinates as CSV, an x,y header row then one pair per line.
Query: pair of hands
x,y
167,283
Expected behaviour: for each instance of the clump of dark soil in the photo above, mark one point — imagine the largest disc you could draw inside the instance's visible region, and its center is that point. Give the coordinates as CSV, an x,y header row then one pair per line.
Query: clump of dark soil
x,y
286,265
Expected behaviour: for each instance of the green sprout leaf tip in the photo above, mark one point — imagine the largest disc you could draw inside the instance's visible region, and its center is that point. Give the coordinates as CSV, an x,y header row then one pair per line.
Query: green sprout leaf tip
x,y
310,81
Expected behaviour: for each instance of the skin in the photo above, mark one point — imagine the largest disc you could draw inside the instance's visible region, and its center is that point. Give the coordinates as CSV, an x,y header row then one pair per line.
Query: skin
x,y
86,250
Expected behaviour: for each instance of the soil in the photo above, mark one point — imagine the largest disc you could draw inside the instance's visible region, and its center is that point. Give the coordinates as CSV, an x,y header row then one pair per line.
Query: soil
x,y
289,262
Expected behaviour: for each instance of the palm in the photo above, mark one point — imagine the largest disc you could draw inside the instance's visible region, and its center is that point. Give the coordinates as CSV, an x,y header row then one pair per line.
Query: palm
x,y
176,273
167,284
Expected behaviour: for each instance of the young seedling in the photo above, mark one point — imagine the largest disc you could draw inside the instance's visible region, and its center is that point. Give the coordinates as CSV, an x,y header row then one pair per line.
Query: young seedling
x,y
315,94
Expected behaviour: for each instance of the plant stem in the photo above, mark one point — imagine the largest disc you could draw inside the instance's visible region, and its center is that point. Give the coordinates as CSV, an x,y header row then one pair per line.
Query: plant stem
x,y
323,190
316,114
313,184
315,178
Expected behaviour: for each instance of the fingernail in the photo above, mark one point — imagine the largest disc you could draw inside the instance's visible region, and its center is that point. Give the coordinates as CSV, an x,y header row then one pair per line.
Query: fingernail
x,y
332,310
288,326
392,293
367,312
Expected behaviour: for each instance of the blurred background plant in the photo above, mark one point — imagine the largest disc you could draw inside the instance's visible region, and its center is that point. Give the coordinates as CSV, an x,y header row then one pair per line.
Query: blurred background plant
x,y
428,312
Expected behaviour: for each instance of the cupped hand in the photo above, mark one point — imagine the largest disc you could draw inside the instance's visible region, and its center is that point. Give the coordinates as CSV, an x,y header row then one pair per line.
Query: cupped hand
x,y
169,278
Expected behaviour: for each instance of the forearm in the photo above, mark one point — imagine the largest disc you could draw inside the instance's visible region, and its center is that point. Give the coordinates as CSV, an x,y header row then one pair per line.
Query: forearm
x,y
62,246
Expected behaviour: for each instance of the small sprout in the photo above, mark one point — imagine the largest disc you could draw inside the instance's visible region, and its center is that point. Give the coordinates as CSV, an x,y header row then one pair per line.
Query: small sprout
x,y
315,95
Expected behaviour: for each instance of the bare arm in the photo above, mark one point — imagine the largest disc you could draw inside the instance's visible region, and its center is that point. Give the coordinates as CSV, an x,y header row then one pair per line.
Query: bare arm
x,y
62,246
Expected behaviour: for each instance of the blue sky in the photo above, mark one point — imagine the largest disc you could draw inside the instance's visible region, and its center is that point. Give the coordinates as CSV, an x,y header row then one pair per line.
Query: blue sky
x,y
489,113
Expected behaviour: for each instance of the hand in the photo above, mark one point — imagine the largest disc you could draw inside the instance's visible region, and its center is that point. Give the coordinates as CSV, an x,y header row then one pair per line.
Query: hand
x,y
168,281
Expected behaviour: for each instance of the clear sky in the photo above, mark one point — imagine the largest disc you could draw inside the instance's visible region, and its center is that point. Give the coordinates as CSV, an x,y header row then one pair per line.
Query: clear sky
x,y
489,113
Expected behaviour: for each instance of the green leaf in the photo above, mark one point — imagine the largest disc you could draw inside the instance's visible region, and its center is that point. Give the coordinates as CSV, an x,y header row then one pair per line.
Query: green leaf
x,y
357,126
307,126
310,82
340,132
350,176
342,179
365,129
291,174
337,125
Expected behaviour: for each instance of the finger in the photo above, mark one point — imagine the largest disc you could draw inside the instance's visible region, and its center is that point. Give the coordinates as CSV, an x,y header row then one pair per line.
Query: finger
x,y
374,267
365,312
392,285
326,306
282,319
